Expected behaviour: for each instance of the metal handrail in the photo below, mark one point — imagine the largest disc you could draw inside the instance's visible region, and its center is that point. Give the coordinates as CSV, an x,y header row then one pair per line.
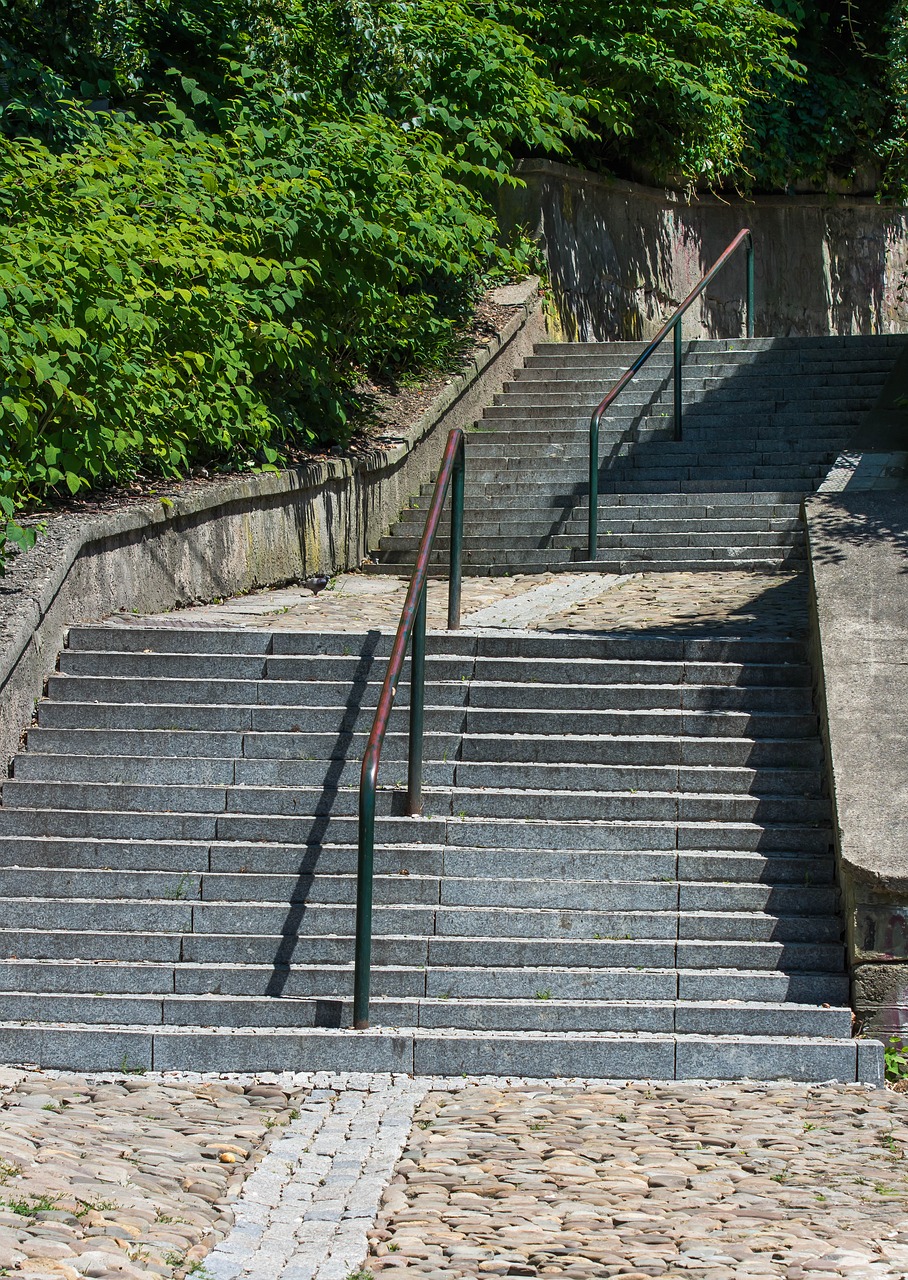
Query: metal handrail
x,y
674,324
412,623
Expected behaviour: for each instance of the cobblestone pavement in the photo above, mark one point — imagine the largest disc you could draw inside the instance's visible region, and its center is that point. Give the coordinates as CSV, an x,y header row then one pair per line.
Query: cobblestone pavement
x,y
122,1177
652,601
646,1180
125,1177
687,602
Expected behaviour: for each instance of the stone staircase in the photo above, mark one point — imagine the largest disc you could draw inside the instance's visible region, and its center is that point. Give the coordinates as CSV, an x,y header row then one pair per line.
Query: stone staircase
x,y
764,419
625,864
623,870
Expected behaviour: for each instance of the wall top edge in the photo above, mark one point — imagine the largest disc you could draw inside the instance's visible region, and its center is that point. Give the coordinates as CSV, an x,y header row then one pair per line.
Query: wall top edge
x,y
668,195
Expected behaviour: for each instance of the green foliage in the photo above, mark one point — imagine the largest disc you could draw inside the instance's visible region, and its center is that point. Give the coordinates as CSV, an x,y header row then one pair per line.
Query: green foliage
x,y
672,83
455,67
173,295
215,217
845,118
896,1058
765,94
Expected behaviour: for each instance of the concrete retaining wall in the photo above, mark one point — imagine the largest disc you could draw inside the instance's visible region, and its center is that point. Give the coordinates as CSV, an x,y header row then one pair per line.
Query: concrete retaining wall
x,y
230,537
858,547
621,256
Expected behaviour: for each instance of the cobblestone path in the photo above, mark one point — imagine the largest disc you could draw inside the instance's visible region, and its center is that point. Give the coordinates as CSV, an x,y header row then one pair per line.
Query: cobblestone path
x,y
124,1177
685,602
308,1207
667,1181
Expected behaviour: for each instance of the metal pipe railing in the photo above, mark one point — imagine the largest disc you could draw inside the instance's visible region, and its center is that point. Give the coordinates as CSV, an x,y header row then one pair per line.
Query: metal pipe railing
x,y
412,624
673,326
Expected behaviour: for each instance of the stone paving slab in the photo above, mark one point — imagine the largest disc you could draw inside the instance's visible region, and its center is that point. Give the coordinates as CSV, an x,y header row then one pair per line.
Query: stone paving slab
x,y
857,471
755,603
649,1180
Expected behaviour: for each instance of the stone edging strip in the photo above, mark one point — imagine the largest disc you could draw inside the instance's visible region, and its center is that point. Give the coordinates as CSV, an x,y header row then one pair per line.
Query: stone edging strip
x,y
307,1209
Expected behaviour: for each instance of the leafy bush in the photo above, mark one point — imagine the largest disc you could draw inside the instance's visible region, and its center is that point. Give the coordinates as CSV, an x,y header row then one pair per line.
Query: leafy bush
x,y
198,266
847,112
673,84
896,1059
173,295
764,94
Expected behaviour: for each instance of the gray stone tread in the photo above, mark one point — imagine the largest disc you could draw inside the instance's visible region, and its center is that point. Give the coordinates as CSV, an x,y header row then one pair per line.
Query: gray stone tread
x,y
430,1052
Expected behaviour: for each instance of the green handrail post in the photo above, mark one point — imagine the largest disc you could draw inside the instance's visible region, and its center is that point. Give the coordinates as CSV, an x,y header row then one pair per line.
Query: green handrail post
x,y
673,324
412,626
417,708
592,537
362,955
676,362
455,560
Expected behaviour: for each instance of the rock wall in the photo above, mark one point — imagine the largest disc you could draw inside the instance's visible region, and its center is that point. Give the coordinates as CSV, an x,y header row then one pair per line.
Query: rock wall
x,y
230,537
621,256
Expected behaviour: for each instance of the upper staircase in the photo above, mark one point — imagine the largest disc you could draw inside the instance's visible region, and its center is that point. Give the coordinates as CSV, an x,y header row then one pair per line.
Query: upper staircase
x,y
764,419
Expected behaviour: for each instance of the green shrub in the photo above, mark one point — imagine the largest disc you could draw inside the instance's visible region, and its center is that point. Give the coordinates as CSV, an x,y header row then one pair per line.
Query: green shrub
x,y
673,85
170,295
216,217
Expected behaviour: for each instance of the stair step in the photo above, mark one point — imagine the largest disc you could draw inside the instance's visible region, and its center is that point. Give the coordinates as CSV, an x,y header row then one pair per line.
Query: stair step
x,y
782,867
607,1055
492,831
377,644
487,1014
254,887
551,776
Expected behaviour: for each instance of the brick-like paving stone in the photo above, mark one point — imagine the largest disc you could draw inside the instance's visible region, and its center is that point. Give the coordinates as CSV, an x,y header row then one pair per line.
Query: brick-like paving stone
x,y
686,602
650,1180
308,1207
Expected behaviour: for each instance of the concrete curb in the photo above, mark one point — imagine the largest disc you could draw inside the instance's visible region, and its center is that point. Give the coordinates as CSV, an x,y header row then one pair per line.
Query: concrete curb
x,y
231,537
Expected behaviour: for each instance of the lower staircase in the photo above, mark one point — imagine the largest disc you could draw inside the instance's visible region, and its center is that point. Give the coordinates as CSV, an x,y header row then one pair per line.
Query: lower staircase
x,y
624,868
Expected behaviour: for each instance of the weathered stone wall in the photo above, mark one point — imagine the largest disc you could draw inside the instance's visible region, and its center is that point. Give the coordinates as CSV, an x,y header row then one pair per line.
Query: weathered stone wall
x,y
621,256
230,537
858,545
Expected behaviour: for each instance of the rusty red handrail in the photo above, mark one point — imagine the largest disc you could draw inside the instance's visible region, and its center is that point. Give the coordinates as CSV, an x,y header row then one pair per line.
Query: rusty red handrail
x,y
672,325
412,623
